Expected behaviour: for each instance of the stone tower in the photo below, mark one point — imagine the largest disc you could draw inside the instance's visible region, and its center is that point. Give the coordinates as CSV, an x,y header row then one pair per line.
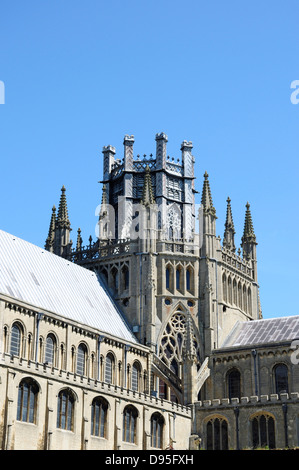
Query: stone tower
x,y
180,290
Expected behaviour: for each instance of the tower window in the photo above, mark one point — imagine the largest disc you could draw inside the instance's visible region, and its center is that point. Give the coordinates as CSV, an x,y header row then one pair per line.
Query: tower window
x,y
109,369
188,283
167,278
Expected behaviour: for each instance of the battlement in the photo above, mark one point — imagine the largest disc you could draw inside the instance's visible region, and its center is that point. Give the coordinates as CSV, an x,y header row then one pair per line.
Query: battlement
x,y
252,400
114,167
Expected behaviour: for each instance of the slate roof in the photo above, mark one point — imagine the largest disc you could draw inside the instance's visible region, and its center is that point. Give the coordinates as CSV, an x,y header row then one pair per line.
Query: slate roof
x,y
49,282
258,332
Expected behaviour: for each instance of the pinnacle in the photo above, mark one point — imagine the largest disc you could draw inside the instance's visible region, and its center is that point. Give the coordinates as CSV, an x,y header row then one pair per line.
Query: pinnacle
x,y
62,216
229,223
104,195
51,233
228,239
79,240
206,198
147,192
248,225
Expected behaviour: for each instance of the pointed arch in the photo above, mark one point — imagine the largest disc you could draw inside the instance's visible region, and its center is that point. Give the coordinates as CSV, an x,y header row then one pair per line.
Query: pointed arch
x,y
169,277
249,301
235,292
179,277
172,339
125,277
244,298
262,430
114,278
229,290
81,366
224,287
190,279
240,303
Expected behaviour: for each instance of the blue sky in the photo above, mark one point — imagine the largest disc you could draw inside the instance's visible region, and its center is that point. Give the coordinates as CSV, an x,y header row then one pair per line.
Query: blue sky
x,y
80,75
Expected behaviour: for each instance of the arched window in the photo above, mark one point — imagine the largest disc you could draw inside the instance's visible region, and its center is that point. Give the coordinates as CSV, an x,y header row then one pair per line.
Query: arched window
x,y
178,278
109,369
229,290
188,280
136,371
224,288
157,425
167,277
81,359
263,431
235,292
249,302
281,378
27,401
234,384
130,424
240,295
50,349
65,410
99,409
125,277
244,298
114,274
15,340
217,435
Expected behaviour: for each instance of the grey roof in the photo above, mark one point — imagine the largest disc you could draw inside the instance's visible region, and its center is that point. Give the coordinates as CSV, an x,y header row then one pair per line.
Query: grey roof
x,y
258,332
49,282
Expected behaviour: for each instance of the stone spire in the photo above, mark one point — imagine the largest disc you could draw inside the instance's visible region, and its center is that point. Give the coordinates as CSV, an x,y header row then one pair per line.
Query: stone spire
x,y
51,234
62,244
249,239
208,214
62,216
206,198
79,240
229,233
248,234
147,192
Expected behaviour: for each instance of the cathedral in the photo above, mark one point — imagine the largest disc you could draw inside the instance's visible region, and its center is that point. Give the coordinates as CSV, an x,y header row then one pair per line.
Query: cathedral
x,y
151,335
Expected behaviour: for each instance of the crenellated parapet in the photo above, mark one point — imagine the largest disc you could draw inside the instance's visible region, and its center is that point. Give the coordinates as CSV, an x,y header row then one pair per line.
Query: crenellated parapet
x,y
254,400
